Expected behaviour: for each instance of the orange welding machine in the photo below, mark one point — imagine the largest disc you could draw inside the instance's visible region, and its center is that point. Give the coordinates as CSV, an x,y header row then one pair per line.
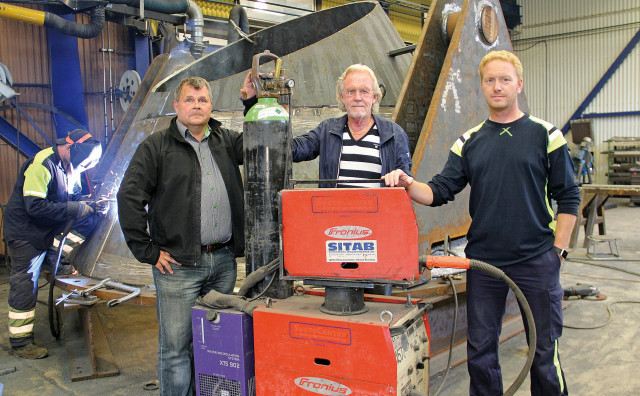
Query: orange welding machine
x,y
340,341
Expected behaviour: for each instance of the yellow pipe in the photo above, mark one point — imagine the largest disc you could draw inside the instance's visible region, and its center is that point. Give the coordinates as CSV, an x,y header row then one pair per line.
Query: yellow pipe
x,y
22,14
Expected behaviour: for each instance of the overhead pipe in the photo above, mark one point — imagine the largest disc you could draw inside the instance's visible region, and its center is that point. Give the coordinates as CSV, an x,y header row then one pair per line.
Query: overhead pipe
x,y
22,14
95,25
55,22
90,30
177,7
195,15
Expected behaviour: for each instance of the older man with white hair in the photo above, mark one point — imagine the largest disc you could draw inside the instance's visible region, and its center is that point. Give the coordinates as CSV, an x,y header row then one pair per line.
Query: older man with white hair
x,y
358,145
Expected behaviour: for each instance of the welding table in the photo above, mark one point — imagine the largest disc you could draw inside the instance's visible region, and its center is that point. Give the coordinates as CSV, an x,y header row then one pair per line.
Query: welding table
x,y
591,209
87,347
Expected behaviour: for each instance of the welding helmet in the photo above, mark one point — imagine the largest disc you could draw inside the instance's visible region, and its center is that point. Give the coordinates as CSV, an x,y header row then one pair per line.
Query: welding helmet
x,y
84,150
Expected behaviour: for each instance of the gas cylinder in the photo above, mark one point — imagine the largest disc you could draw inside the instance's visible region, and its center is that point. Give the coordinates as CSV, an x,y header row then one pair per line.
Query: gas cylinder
x,y
267,170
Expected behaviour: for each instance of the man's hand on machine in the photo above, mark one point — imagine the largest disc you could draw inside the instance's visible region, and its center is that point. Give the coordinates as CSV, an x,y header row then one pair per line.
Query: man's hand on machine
x,y
397,178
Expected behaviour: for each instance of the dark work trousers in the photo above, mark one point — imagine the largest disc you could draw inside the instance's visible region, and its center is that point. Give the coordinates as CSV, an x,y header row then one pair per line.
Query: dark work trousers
x,y
26,264
539,280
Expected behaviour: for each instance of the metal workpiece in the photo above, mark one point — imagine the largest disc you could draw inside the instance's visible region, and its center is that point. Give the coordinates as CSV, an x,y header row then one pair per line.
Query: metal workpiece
x,y
417,91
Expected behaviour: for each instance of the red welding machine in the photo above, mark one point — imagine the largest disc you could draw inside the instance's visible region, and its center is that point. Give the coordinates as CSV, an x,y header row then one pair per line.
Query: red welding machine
x,y
345,240
350,234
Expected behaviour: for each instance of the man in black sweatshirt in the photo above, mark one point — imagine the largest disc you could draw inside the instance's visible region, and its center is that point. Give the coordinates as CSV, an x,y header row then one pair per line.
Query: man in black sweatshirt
x,y
515,164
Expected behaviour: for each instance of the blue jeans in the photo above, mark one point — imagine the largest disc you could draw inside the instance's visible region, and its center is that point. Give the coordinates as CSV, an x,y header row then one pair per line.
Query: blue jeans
x,y
175,295
539,280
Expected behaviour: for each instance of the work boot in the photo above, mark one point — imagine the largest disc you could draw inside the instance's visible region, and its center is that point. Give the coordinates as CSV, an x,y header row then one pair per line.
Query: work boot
x,y
30,351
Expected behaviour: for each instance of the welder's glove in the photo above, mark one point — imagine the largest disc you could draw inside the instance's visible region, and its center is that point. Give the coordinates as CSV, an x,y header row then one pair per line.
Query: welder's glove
x,y
102,206
79,209
215,299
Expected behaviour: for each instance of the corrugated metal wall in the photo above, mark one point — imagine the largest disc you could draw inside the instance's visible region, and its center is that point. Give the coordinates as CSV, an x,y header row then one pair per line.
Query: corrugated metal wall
x,y
566,47
23,48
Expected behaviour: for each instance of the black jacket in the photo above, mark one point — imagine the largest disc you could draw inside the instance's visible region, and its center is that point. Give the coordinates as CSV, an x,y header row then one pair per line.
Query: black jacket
x,y
164,173
38,208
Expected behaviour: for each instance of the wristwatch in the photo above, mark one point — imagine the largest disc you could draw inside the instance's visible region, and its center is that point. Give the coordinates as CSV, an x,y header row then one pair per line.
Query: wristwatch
x,y
561,252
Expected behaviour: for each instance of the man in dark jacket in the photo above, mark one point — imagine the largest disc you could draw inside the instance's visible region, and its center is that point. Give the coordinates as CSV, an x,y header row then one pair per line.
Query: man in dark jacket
x,y
358,145
188,177
41,205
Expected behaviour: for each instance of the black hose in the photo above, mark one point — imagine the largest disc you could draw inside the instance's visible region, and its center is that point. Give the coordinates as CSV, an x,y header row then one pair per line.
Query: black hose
x,y
497,273
54,322
91,29
238,16
163,6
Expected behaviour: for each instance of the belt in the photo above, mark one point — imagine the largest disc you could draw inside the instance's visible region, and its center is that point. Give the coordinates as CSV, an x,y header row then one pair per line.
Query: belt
x,y
213,247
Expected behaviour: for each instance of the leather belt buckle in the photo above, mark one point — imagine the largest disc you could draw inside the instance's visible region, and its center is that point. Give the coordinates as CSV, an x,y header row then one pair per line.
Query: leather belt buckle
x,y
213,247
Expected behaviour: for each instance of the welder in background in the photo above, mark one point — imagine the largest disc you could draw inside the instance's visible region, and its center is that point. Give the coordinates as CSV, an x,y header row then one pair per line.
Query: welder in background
x,y
515,164
46,196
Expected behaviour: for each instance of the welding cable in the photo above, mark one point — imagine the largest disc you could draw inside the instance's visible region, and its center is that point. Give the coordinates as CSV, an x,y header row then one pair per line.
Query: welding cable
x,y
453,331
257,276
273,277
600,277
583,261
494,272
54,322
609,317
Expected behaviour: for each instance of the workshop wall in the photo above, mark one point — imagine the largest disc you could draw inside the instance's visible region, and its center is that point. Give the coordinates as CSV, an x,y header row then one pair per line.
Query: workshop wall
x,y
566,47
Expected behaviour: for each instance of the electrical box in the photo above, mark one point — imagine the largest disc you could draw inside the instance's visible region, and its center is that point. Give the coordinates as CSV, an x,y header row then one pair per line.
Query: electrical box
x,y
223,352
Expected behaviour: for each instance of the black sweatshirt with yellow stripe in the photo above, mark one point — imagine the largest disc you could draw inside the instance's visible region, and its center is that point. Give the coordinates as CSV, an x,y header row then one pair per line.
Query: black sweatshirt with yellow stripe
x,y
514,170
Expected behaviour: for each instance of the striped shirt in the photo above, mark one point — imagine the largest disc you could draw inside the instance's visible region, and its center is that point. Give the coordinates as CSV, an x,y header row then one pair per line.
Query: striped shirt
x,y
360,158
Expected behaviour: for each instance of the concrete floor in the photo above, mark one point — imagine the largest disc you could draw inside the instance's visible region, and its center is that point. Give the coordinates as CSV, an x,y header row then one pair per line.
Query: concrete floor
x,y
601,361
